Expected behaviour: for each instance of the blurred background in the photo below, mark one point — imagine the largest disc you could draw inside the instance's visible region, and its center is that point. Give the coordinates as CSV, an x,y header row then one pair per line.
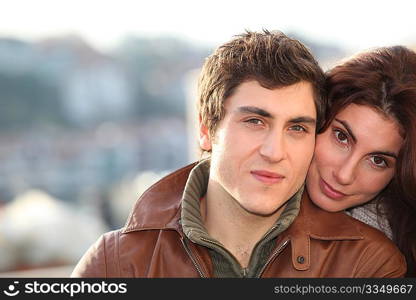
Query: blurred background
x,y
97,102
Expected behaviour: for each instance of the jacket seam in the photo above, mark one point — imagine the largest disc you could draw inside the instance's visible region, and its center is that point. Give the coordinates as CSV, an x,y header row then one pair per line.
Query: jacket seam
x,y
199,261
334,238
367,268
105,257
356,236
117,252
309,252
153,258
308,242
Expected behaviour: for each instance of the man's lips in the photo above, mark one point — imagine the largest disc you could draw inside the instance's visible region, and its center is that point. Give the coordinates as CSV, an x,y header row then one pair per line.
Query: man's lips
x,y
329,191
267,177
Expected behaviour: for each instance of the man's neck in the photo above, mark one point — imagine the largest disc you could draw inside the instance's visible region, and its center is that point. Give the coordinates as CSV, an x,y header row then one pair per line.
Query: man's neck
x,y
229,223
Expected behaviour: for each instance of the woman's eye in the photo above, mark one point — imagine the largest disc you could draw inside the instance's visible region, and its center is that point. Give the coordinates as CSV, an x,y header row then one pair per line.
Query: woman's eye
x,y
341,136
378,161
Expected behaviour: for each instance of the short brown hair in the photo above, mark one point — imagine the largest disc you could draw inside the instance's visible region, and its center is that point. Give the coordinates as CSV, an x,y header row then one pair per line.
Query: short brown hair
x,y
271,58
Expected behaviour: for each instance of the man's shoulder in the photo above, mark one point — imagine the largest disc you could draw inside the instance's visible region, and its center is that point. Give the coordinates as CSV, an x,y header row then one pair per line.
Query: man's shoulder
x,y
378,250
159,205
321,224
364,249
102,259
373,236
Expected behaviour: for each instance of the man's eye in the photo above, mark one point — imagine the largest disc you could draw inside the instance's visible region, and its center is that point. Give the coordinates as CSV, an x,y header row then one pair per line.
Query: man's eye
x,y
298,128
254,121
341,136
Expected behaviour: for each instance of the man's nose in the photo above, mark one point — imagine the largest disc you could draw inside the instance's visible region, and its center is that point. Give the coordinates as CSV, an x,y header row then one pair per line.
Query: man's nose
x,y
273,148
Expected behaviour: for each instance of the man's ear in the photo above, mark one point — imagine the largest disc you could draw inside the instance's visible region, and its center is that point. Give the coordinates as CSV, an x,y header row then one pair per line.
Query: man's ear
x,y
204,137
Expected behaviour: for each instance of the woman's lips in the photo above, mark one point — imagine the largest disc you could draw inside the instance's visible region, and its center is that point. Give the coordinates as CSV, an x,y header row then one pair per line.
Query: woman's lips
x,y
267,177
329,191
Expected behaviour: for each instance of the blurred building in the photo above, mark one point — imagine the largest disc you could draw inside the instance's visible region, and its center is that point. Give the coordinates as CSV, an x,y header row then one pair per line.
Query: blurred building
x,y
93,130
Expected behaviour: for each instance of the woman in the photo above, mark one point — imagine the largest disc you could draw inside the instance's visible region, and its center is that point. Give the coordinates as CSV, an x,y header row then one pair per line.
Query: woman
x,y
367,148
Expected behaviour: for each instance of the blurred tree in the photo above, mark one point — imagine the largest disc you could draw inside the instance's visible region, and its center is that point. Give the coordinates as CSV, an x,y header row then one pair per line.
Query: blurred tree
x,y
27,100
156,68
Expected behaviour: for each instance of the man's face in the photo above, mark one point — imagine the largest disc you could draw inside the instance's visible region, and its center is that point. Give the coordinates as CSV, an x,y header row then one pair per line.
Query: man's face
x,y
262,148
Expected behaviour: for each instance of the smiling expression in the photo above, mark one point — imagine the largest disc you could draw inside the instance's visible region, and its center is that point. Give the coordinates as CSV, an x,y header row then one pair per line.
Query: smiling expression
x,y
355,158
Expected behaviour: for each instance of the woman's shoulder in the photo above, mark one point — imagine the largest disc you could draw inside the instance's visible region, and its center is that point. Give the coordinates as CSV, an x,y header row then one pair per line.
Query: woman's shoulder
x,y
371,215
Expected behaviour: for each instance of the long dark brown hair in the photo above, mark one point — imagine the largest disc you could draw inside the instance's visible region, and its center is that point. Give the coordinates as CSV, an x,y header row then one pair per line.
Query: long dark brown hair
x,y
385,79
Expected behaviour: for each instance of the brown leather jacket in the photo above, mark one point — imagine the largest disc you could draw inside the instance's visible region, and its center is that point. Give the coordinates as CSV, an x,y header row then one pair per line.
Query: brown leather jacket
x,y
317,244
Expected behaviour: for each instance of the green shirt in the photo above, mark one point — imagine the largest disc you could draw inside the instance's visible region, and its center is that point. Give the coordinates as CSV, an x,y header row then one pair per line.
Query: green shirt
x,y
224,263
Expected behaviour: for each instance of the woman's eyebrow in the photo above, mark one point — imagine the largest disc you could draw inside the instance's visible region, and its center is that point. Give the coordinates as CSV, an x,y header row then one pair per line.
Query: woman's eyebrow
x,y
386,153
348,128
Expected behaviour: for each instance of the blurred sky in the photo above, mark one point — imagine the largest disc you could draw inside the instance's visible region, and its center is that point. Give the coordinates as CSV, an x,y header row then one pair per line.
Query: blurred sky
x,y
353,24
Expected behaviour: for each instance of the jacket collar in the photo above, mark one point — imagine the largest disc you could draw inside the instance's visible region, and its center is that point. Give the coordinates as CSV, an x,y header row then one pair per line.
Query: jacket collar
x,y
159,208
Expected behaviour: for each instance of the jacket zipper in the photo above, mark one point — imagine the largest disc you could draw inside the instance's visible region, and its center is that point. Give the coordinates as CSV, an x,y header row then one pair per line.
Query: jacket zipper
x,y
188,251
244,271
272,257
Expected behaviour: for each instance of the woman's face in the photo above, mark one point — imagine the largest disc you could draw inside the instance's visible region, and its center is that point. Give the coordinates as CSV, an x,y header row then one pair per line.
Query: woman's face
x,y
355,158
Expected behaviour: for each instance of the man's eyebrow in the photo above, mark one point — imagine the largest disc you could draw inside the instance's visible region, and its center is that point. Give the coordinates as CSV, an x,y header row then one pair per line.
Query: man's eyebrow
x,y
348,128
303,119
266,114
254,110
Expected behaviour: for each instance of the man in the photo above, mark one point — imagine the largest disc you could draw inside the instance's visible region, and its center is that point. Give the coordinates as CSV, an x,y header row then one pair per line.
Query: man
x,y
240,213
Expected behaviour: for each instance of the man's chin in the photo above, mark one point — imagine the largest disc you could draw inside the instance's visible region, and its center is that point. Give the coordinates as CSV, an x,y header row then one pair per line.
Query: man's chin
x,y
262,210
